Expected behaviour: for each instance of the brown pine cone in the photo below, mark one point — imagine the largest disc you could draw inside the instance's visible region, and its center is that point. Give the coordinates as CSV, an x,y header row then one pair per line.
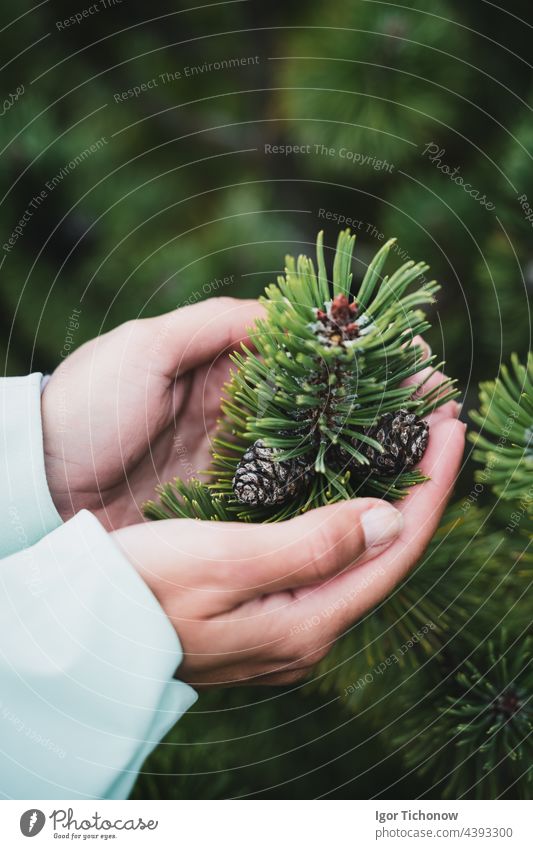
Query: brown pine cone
x,y
404,437
262,480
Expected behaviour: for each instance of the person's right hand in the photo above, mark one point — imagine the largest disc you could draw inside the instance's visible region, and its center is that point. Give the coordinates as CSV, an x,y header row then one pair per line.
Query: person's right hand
x,y
264,603
229,588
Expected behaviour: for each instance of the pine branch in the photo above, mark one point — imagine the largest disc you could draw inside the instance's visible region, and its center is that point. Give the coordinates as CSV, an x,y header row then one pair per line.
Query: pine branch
x,y
505,441
325,369
473,731
455,589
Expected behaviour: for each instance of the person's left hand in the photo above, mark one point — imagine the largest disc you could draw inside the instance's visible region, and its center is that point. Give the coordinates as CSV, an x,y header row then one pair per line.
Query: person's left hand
x,y
263,603
137,406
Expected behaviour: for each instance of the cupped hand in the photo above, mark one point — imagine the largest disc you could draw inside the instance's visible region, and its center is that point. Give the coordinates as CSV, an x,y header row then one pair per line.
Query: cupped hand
x,y
137,406
230,588
264,603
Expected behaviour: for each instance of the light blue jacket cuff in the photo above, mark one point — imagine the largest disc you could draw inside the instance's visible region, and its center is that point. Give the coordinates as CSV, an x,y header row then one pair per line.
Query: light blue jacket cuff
x,y
87,659
25,500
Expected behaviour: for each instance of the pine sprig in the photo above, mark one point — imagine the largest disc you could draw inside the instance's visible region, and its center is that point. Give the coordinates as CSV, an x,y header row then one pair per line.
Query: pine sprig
x,y
504,443
311,389
456,587
473,730
187,500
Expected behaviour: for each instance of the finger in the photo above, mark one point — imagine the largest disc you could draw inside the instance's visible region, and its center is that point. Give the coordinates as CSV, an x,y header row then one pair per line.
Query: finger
x,y
233,562
315,546
430,379
449,410
427,380
352,594
247,561
195,334
425,350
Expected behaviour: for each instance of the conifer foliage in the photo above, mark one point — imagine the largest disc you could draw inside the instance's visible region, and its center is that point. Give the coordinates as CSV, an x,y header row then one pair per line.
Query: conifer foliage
x,y
477,715
467,724
328,405
505,445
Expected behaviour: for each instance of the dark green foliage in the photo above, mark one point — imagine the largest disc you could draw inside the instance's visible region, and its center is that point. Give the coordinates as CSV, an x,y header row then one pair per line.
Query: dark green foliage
x,y
501,314
269,743
471,733
457,585
466,721
338,63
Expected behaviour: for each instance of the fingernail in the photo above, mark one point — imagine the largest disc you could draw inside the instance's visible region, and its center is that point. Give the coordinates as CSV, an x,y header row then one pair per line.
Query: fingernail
x,y
457,409
426,350
381,524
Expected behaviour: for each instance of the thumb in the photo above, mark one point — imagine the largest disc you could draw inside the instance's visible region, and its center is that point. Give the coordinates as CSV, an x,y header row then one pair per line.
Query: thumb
x,y
252,560
233,562
190,336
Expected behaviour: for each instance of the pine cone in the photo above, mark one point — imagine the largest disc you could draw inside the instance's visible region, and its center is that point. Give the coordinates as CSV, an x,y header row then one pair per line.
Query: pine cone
x,y
403,435
261,480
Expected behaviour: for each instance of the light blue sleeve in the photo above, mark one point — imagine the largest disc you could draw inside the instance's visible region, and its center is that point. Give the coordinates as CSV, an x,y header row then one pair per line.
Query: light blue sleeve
x,y
87,657
27,511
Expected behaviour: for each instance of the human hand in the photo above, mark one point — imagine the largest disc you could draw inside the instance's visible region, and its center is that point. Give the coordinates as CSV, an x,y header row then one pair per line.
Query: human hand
x,y
263,603
229,588
136,407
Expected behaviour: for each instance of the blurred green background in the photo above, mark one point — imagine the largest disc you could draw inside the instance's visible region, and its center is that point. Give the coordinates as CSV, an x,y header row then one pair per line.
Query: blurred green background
x,y
156,140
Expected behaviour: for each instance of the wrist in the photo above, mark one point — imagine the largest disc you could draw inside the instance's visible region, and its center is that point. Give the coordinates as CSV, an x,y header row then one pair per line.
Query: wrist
x,y
55,463
52,466
133,543
26,496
